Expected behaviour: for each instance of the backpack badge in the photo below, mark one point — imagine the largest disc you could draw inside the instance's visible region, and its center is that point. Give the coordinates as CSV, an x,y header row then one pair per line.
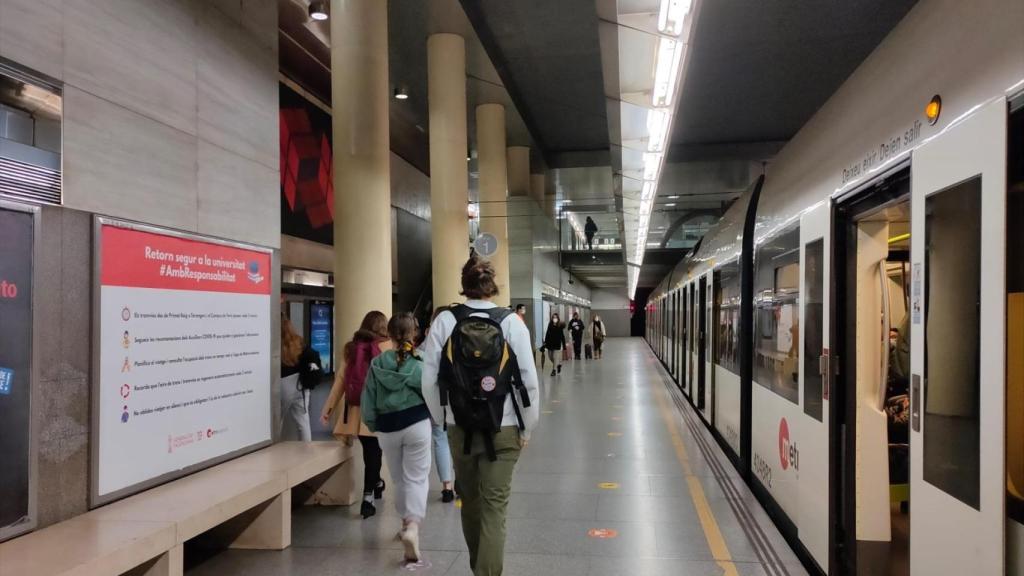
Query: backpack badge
x,y
488,383
477,353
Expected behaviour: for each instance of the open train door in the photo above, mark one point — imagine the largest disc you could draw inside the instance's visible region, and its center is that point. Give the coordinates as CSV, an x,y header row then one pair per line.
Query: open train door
x,y
813,431
957,392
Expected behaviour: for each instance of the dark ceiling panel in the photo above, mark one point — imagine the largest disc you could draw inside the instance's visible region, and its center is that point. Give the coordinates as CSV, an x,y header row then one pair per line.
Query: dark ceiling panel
x,y
761,68
549,59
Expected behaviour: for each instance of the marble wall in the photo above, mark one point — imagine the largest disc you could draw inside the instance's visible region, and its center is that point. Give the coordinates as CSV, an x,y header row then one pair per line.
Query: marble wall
x,y
170,118
170,107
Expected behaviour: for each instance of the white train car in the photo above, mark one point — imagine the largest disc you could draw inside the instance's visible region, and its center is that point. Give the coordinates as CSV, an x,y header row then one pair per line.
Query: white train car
x,y
853,329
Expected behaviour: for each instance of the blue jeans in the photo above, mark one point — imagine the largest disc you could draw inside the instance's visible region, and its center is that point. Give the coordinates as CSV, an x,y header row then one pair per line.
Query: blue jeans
x,y
442,454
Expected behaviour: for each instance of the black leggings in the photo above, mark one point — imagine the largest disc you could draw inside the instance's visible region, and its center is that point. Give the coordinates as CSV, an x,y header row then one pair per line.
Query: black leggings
x,y
371,463
577,345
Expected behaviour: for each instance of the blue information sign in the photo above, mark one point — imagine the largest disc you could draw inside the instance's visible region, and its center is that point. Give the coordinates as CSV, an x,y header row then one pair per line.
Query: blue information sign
x,y
320,333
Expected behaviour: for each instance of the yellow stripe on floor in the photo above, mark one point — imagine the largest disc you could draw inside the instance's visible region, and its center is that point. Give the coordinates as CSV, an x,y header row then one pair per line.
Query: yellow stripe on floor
x,y
713,534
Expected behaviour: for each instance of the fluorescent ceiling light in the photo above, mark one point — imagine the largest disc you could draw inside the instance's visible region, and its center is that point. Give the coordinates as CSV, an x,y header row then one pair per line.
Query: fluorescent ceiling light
x,y
647,193
666,71
657,129
652,162
671,15
670,204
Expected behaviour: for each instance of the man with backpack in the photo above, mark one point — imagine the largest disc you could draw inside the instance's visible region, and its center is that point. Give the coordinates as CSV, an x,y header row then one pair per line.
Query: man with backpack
x,y
576,329
479,378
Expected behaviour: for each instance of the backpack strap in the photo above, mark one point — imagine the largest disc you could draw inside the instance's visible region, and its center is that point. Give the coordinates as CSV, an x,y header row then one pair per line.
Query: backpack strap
x,y
461,312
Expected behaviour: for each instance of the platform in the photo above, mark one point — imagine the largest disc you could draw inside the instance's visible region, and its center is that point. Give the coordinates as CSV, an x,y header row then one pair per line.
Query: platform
x,y
613,456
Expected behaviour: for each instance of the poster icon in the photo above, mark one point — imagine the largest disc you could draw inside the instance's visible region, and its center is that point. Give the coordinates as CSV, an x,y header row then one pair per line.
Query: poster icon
x,y
126,314
254,272
126,341
124,415
6,380
126,390
127,367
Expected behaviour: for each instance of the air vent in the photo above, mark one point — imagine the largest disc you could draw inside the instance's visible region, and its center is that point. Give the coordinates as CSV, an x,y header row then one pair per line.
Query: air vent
x,y
23,181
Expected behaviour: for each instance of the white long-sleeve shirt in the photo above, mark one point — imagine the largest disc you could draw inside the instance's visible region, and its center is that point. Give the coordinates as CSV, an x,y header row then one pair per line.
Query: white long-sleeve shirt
x,y
518,337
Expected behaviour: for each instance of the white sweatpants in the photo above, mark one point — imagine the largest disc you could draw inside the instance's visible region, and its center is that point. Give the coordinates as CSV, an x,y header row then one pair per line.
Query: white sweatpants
x,y
407,453
294,411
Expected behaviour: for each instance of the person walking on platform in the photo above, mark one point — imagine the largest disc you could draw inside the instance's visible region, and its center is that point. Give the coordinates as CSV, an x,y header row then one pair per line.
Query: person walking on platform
x,y
554,343
589,230
393,408
298,363
597,331
367,343
576,329
442,453
478,350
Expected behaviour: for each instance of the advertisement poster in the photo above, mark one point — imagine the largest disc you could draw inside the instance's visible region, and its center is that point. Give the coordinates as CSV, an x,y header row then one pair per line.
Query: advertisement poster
x,y
320,333
184,354
16,233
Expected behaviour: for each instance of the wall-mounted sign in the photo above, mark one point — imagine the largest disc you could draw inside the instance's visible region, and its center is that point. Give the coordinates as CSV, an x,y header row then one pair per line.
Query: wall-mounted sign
x,y
486,244
17,229
320,333
184,355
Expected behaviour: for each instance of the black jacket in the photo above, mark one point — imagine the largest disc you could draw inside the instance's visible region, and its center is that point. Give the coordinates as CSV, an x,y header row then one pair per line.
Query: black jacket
x,y
554,338
576,328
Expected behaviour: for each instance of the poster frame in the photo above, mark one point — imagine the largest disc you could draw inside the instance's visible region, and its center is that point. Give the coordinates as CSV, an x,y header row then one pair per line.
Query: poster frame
x,y
34,347
95,499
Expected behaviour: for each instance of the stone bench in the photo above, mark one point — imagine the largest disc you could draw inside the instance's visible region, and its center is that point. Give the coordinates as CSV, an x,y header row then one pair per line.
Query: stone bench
x,y
243,503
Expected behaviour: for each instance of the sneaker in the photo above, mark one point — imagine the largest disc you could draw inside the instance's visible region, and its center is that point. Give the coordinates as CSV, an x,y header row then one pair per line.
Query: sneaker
x,y
447,496
411,541
378,492
552,371
366,510
559,368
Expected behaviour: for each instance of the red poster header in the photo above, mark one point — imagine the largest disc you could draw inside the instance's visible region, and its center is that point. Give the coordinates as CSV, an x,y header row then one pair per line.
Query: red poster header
x,y
150,260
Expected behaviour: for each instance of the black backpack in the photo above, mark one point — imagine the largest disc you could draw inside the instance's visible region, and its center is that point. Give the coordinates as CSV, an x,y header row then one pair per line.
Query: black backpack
x,y
478,370
311,371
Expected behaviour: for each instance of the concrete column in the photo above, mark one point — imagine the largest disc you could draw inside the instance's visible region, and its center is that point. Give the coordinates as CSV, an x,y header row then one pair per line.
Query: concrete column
x,y
362,182
490,140
518,171
449,174
538,184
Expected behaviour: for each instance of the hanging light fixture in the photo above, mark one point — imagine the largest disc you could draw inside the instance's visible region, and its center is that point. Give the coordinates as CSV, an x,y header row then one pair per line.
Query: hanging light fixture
x,y
318,10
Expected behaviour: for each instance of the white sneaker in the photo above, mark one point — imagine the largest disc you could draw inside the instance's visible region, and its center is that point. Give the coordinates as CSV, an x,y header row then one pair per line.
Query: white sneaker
x,y
411,541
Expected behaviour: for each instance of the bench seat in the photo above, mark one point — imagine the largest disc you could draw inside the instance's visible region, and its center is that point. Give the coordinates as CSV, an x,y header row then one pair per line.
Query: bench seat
x,y
242,503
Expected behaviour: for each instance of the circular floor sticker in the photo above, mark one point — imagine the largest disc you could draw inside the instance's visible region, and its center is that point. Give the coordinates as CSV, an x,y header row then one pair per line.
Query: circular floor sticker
x,y
608,486
548,412
614,434
602,533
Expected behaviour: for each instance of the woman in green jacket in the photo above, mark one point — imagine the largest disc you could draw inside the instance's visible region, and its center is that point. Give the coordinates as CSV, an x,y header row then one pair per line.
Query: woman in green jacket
x,y
393,408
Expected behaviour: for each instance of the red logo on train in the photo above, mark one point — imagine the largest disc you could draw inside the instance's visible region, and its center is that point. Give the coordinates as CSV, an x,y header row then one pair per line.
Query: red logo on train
x,y
788,453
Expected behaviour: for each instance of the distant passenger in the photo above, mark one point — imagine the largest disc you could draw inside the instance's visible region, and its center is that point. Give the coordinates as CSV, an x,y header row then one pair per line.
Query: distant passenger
x,y
590,229
484,459
576,329
393,408
597,330
521,312
554,343
442,453
366,344
297,360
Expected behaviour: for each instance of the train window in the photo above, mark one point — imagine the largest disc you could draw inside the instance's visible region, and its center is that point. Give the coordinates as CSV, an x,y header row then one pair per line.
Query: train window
x,y
814,261
727,317
776,318
1015,316
952,339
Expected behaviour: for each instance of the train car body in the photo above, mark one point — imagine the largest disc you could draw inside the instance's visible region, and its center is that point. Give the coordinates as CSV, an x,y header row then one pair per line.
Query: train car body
x,y
882,282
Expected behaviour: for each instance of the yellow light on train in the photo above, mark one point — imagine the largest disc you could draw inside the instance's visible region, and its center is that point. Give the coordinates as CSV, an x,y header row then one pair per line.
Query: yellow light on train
x,y
933,109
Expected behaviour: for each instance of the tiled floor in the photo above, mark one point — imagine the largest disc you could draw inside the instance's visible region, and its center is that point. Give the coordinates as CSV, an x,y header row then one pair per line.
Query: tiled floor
x,y
557,499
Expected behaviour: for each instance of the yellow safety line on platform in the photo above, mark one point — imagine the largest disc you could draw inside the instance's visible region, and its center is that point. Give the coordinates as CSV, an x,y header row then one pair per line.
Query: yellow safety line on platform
x,y
713,534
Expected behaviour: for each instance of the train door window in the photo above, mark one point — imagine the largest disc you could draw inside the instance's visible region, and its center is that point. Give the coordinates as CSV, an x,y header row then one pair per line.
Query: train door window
x,y
951,342
727,317
1015,315
813,328
701,339
776,319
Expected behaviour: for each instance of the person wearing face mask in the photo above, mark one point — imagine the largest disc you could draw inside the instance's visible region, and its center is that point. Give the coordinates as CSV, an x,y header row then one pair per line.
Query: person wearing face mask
x,y
554,342
597,330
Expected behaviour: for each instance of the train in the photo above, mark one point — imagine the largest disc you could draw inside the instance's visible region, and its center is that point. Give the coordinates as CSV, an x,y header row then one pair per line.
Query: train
x,y
852,330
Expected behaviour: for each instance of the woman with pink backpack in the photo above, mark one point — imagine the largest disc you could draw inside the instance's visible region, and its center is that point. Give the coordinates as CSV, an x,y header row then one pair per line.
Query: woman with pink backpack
x,y
367,343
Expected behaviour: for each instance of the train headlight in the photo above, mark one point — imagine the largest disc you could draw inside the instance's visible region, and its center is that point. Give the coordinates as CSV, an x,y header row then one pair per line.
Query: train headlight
x,y
933,109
